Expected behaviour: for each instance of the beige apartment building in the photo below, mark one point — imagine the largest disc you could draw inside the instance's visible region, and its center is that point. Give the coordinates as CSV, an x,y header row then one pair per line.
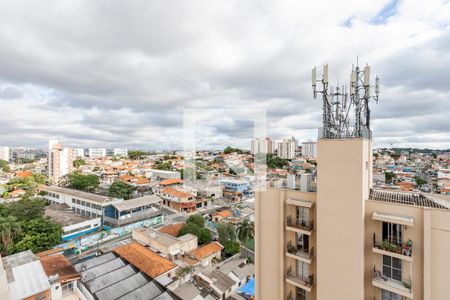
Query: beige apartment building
x,y
347,240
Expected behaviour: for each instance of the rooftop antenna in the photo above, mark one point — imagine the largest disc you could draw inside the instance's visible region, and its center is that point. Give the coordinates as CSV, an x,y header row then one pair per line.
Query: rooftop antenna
x,y
343,118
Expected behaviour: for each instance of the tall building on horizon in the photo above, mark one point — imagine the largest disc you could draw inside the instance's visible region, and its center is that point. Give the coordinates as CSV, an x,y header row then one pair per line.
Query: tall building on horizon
x,y
121,152
60,161
97,152
309,149
287,148
261,146
4,153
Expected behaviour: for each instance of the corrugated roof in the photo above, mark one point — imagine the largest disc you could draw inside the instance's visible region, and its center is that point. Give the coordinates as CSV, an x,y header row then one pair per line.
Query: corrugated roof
x,y
137,202
85,265
29,279
102,269
164,296
148,291
122,287
77,194
144,259
111,278
414,199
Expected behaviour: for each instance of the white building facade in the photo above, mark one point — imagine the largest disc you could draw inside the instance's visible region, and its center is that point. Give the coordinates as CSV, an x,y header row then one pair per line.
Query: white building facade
x,y
287,148
60,161
309,149
121,152
97,152
4,153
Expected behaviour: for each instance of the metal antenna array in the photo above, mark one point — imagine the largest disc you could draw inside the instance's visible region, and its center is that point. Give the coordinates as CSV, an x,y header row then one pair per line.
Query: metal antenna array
x,y
338,120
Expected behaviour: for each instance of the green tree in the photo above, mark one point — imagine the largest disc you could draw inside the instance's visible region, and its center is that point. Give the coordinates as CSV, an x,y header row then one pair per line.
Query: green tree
x,y
204,236
226,232
229,150
78,163
231,248
27,208
388,176
420,181
38,235
275,162
197,220
4,165
82,182
10,227
136,154
119,189
164,166
244,230
190,228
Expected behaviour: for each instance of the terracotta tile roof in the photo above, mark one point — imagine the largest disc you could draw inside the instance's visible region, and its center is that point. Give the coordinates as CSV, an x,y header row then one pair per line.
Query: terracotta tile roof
x,y
207,250
176,193
58,264
142,181
223,213
17,192
24,174
126,178
170,182
172,230
144,259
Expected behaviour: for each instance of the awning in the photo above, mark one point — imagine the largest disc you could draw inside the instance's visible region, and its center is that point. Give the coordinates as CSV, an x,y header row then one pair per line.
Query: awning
x,y
303,203
407,221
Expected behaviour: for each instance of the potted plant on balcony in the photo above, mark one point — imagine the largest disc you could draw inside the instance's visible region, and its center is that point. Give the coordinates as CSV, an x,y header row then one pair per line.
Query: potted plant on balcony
x,y
292,249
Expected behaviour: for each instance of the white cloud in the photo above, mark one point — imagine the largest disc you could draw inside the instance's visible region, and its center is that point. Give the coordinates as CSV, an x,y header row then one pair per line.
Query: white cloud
x,y
120,73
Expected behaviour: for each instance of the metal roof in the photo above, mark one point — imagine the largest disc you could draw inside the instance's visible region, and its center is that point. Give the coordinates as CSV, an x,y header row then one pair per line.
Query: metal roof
x,y
137,202
102,269
99,199
164,296
122,287
85,265
147,291
108,279
414,199
29,279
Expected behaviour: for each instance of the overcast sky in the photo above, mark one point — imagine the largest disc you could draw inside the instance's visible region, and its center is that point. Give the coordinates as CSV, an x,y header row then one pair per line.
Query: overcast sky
x,y
120,73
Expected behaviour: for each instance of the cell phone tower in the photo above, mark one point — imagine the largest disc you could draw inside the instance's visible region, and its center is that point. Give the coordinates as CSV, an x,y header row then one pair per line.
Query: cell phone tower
x,y
346,115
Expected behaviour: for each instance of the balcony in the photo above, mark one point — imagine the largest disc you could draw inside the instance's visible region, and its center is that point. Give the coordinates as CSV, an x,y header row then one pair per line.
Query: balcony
x,y
300,226
301,203
402,288
398,250
300,281
299,253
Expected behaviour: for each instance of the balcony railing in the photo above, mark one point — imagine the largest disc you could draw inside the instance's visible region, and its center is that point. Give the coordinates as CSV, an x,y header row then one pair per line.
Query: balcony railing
x,y
393,246
300,279
289,296
402,287
305,253
306,225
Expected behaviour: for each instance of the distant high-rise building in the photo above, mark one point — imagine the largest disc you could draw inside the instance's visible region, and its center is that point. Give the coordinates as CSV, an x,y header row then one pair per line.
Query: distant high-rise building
x,y
120,152
79,152
60,161
4,153
97,152
286,148
309,149
261,146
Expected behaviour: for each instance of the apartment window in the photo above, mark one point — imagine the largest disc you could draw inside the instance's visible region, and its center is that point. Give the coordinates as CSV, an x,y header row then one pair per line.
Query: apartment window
x,y
303,242
393,233
392,267
301,294
303,214
386,295
302,269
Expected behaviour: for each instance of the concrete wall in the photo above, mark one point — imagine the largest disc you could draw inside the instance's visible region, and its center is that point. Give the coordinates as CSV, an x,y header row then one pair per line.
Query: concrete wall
x,y
269,267
343,185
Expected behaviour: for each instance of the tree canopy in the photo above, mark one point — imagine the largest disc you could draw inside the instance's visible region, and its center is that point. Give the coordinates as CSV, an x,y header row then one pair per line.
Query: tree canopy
x,y
227,232
229,150
195,225
23,226
4,165
78,181
136,154
275,162
119,189
78,162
